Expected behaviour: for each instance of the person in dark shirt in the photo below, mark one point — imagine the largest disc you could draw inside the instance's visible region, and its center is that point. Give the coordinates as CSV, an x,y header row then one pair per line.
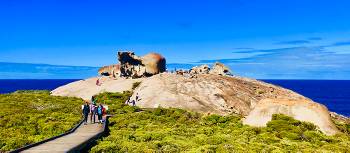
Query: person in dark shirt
x,y
137,97
86,111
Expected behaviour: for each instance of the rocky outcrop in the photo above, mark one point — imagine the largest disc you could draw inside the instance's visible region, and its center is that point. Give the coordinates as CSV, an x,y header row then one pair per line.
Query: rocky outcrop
x,y
202,89
111,70
209,93
217,69
202,69
303,110
85,89
133,66
220,69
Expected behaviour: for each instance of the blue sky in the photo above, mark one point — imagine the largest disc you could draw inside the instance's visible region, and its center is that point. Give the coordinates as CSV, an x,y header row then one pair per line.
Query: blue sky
x,y
291,39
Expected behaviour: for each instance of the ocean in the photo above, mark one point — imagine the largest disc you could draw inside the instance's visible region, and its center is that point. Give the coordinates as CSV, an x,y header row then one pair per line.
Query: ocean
x,y
335,94
11,85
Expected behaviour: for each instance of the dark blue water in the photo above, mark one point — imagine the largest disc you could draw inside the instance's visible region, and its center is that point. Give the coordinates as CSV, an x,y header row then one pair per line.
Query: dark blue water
x,y
335,94
7,86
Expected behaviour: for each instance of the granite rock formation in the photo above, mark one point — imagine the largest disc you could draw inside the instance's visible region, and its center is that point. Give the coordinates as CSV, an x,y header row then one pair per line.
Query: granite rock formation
x,y
303,110
220,69
216,94
202,69
202,89
217,69
110,70
133,66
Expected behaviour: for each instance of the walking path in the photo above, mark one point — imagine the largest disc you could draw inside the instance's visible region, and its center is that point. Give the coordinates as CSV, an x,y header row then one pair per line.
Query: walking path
x,y
72,141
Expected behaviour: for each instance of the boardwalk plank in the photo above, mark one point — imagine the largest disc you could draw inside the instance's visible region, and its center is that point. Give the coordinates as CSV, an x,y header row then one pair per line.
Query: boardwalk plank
x,y
81,135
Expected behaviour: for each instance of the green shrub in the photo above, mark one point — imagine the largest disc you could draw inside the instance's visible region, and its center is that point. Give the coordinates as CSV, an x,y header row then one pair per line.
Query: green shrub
x,y
31,116
343,127
135,85
177,130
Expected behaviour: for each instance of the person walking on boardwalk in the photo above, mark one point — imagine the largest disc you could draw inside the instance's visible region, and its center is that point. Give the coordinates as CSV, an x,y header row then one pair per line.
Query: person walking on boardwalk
x,y
100,112
86,111
92,113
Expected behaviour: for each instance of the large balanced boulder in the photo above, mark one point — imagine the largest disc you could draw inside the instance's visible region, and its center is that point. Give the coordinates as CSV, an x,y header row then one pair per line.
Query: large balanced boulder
x,y
133,66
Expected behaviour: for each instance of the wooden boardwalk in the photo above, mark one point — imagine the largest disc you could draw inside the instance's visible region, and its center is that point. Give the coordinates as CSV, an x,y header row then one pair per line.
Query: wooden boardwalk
x,y
72,142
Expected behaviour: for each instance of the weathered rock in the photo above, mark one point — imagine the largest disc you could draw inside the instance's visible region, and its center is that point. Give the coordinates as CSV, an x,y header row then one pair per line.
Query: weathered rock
x,y
340,118
303,110
202,89
85,89
134,66
154,63
209,93
220,69
111,70
217,69
202,69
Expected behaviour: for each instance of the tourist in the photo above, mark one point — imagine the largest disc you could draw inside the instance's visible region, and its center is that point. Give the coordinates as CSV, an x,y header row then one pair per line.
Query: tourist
x,y
137,97
127,101
100,112
104,112
95,112
86,111
92,113
93,100
98,82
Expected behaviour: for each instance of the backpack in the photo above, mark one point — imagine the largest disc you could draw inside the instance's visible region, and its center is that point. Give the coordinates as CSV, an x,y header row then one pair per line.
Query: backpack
x,y
99,110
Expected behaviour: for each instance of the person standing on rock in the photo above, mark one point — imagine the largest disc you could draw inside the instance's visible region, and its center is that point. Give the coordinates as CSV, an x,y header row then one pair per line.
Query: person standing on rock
x,y
137,97
133,102
98,83
127,101
86,111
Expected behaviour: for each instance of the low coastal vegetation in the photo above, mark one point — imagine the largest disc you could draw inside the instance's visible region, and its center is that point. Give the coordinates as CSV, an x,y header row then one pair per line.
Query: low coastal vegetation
x,y
30,116
174,130
135,85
